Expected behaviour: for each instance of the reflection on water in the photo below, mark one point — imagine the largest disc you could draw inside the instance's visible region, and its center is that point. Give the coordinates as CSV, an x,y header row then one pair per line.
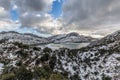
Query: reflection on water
x,y
65,45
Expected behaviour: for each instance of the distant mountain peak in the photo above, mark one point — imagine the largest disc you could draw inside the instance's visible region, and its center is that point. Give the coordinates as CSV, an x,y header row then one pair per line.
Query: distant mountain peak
x,y
72,37
73,34
4,32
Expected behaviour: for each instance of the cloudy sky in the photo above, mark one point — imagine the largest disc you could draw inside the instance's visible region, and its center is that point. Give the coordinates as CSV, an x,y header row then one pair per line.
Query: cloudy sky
x,y
96,18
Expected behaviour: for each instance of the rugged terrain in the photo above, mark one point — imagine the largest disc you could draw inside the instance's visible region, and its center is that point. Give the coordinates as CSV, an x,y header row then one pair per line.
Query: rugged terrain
x,y
98,61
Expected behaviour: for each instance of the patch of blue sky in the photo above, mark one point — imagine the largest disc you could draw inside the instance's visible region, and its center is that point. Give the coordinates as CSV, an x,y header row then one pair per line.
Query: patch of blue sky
x,y
14,15
56,8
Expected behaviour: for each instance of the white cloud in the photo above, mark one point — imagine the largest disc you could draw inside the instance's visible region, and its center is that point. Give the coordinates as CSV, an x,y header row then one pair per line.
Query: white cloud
x,y
8,25
3,13
42,22
31,13
88,17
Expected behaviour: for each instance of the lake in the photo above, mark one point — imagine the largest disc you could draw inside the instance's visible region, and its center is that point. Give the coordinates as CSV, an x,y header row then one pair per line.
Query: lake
x,y
1,65
65,45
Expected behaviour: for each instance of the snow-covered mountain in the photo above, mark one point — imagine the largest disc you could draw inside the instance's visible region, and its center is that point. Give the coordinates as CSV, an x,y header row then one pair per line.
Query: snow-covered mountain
x,y
70,38
114,37
98,61
26,38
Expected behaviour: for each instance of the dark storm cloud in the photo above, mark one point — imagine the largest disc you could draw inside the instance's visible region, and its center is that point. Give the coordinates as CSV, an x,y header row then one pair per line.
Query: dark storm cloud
x,y
4,8
91,14
34,5
5,4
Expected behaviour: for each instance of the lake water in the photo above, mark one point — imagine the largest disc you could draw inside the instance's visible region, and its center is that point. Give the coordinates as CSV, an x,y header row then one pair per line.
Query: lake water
x,y
1,65
65,45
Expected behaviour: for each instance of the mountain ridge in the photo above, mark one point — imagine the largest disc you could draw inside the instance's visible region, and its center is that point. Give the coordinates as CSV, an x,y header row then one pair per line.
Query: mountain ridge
x,y
70,37
35,39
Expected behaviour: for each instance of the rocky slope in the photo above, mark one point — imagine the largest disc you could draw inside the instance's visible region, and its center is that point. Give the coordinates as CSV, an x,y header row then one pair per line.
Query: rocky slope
x,y
98,61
